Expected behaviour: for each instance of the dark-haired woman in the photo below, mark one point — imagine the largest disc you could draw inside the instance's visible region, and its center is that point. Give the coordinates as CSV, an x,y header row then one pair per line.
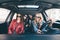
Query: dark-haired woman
x,y
16,26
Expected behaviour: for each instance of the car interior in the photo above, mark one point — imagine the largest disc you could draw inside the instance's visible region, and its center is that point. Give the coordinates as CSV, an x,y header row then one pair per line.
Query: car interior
x,y
29,7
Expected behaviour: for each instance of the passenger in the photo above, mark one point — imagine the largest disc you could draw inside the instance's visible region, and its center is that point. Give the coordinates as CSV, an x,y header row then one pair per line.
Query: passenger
x,y
26,20
16,26
26,25
30,19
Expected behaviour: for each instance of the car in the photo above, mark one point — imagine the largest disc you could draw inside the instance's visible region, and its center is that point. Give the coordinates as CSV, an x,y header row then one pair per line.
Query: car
x,y
9,9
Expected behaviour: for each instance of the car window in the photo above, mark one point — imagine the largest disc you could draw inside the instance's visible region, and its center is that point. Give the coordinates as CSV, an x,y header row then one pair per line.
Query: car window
x,y
3,14
14,17
53,13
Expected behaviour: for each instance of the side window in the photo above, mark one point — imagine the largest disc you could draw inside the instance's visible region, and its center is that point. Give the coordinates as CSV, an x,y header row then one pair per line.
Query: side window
x,y
14,17
53,13
3,14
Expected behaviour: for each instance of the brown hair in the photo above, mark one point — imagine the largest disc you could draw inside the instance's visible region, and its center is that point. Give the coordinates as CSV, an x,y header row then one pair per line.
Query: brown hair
x,y
20,17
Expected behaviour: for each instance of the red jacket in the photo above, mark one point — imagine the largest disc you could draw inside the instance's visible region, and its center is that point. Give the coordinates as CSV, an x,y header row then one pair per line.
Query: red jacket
x,y
19,29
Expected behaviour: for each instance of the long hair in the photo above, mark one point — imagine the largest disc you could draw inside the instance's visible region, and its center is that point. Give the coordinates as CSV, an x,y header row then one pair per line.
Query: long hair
x,y
40,15
20,17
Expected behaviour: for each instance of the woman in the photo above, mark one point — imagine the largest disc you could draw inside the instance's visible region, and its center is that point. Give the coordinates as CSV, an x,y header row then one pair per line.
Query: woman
x,y
39,25
38,19
16,26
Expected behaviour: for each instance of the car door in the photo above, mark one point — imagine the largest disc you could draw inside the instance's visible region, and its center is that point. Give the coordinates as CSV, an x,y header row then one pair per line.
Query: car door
x,y
3,17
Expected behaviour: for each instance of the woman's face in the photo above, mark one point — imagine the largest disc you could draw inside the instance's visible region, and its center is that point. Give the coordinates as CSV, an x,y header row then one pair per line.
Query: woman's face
x,y
19,18
30,16
25,16
38,18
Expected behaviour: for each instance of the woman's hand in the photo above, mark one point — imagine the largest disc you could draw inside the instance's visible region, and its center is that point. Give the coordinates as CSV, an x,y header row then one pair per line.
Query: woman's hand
x,y
9,32
39,31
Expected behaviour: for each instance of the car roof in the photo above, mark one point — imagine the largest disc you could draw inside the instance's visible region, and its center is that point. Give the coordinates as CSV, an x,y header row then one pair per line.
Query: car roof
x,y
52,1
43,5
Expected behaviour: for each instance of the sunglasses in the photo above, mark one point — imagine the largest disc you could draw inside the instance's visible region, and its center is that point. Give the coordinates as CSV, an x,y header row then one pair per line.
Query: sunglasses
x,y
38,17
19,16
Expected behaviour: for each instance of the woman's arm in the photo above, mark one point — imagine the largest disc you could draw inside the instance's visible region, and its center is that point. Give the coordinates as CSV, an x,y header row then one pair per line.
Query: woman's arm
x,y
22,29
10,27
34,26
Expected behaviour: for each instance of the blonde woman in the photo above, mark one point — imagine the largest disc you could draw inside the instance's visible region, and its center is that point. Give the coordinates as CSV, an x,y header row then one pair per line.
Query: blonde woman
x,y
37,23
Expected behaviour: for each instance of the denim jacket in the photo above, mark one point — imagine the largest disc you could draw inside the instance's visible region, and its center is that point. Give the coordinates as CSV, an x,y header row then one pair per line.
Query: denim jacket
x,y
43,24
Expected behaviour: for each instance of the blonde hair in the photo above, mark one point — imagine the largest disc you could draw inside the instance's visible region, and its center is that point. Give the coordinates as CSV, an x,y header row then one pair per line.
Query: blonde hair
x,y
40,15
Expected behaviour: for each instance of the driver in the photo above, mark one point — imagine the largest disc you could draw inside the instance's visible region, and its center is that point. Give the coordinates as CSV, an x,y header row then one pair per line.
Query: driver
x,y
39,25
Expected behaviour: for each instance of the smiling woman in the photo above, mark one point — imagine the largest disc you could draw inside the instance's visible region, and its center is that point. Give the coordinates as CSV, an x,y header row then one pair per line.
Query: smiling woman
x,y
3,14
